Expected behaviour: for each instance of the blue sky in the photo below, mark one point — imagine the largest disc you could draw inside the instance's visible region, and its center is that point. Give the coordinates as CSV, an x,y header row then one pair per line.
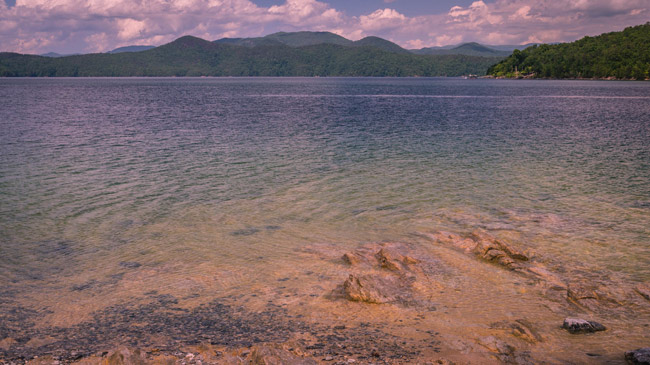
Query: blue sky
x,y
84,26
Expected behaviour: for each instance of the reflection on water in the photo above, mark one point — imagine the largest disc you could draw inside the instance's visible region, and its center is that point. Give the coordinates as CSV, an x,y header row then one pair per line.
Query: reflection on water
x,y
116,191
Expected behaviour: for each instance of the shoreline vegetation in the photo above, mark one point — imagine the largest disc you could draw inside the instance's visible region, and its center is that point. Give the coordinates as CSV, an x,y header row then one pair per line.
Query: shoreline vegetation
x,y
621,55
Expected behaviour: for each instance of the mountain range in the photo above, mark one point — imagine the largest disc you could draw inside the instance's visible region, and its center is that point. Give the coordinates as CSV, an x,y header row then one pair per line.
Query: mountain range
x,y
301,39
278,54
620,55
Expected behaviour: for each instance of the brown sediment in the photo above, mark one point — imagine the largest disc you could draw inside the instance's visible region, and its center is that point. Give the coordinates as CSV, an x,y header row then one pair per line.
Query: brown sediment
x,y
471,298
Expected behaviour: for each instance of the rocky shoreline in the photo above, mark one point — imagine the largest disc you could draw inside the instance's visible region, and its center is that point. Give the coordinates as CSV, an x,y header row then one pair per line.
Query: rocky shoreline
x,y
384,303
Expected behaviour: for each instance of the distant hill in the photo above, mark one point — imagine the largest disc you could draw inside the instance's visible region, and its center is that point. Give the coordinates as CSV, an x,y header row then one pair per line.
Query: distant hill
x,y
191,56
621,55
380,43
301,39
131,49
54,54
292,39
469,49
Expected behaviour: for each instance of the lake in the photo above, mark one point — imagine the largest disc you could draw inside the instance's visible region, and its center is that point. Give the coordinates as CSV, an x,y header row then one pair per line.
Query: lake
x,y
137,210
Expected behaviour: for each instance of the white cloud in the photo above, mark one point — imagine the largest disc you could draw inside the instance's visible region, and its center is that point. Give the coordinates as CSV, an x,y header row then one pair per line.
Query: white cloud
x,y
382,19
36,26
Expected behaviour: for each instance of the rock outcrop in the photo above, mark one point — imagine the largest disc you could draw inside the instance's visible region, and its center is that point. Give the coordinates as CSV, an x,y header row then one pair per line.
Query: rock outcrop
x,y
486,247
382,274
378,289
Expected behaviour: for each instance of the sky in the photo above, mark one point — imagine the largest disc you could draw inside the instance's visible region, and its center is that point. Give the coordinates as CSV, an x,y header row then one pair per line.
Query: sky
x,y
85,26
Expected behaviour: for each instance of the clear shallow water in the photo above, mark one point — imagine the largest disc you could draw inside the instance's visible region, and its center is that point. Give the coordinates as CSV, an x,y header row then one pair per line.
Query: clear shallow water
x,y
171,183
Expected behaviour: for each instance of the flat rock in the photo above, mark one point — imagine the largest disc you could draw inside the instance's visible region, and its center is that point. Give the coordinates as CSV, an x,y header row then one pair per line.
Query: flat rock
x,y
639,356
578,325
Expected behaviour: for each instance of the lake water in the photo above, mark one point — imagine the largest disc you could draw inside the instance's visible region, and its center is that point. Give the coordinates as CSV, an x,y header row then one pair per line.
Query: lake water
x,y
120,192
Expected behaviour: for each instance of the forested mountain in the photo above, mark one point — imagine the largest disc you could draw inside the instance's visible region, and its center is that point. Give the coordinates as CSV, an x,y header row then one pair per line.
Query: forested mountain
x,y
191,56
621,55
300,39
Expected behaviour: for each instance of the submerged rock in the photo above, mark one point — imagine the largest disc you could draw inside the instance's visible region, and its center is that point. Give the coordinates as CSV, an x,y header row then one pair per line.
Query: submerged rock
x,y
351,259
276,355
486,247
392,260
497,251
496,346
520,328
643,291
372,288
125,356
581,291
383,274
524,330
639,356
577,325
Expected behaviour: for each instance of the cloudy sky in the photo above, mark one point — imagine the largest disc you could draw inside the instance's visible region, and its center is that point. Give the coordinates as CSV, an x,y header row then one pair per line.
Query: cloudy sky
x,y
69,26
